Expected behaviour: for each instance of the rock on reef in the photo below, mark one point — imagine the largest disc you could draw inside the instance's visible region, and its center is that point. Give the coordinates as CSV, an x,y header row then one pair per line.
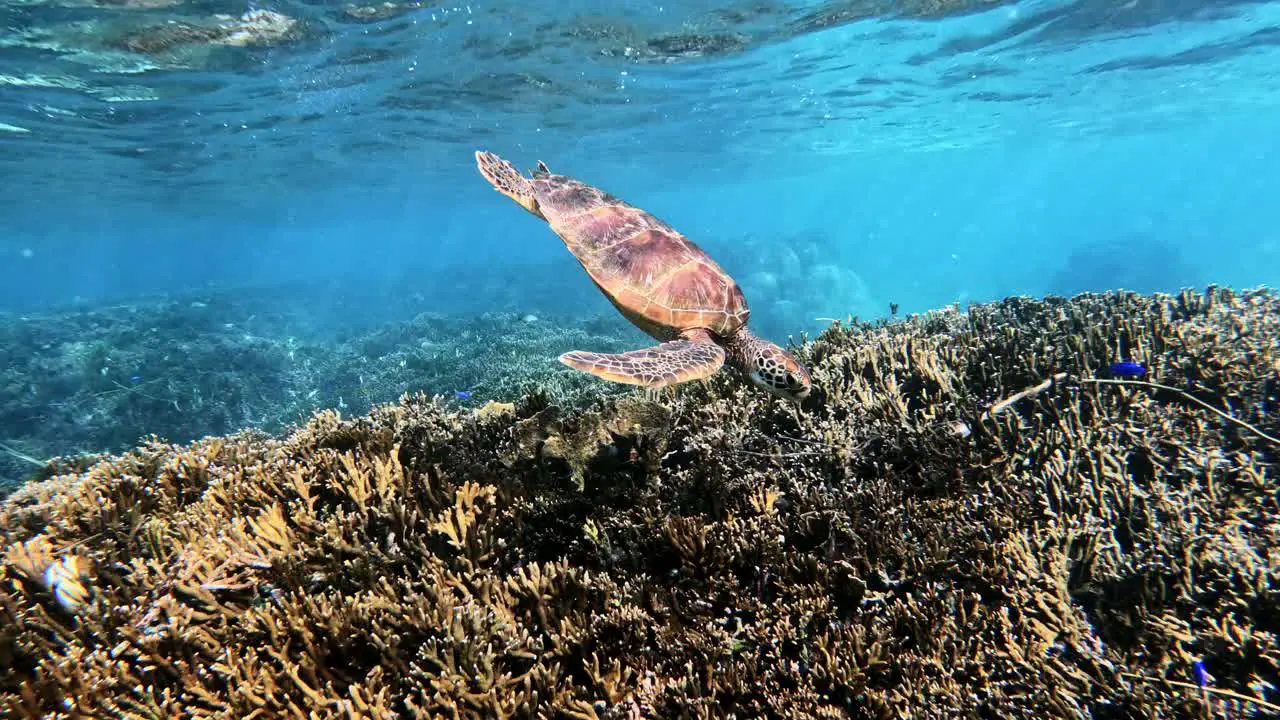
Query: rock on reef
x,y
967,524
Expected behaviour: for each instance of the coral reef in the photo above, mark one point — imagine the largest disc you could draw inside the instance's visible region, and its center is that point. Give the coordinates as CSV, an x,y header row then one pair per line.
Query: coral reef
x,y
798,282
1137,262
969,522
98,380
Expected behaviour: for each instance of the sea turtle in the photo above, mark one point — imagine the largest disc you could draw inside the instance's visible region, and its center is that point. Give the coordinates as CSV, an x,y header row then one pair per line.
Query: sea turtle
x,y
659,280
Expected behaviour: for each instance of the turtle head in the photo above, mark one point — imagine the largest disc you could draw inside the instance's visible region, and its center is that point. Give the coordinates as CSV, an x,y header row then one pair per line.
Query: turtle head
x,y
771,368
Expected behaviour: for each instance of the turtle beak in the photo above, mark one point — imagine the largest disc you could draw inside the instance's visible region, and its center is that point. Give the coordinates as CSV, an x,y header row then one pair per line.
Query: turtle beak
x,y
812,399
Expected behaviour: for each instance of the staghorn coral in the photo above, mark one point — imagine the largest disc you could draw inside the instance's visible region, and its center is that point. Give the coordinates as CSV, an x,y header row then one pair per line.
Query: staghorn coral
x,y
966,524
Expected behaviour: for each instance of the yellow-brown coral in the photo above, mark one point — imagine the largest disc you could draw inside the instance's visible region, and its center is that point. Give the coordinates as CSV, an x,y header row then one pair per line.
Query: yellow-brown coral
x,y
964,525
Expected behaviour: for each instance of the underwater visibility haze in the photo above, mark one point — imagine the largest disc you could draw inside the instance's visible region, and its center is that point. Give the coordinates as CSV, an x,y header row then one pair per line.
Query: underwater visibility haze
x,y
282,424
918,153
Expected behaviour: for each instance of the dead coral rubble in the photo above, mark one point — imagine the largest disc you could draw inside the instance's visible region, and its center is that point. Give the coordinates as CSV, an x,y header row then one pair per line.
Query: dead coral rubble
x,y
896,551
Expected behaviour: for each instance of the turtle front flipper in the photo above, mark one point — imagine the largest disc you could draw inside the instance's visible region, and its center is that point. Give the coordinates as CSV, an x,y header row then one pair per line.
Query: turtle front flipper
x,y
670,363
507,180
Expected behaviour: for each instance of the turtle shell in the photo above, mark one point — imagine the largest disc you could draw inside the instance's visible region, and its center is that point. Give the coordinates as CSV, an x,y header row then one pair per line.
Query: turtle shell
x,y
658,278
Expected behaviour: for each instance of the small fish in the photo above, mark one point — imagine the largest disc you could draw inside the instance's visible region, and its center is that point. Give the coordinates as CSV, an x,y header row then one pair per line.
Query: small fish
x,y
462,394
1128,369
1202,677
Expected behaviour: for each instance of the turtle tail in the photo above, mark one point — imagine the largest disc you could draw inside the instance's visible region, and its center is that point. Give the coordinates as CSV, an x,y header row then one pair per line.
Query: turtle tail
x,y
507,180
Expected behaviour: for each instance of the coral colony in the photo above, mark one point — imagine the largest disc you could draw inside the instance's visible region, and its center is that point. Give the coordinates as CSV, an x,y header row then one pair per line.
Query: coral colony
x,y
979,516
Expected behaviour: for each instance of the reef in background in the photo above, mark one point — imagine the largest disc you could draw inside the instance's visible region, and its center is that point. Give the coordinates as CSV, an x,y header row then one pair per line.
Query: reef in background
x,y
966,523
1139,262
94,381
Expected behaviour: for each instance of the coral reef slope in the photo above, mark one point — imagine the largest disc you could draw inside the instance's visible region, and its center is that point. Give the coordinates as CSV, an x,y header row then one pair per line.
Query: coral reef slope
x,y
973,520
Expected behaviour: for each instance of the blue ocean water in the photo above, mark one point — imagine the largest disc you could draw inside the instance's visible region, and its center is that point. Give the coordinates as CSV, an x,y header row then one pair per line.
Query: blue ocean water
x,y
920,153
836,156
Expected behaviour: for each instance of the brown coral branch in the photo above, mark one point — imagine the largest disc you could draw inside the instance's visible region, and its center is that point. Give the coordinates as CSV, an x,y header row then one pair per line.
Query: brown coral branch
x,y
1186,396
1028,392
1224,692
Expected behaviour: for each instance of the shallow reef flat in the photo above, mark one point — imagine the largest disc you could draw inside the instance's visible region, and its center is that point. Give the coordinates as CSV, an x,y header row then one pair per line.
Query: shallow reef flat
x,y
973,520
80,382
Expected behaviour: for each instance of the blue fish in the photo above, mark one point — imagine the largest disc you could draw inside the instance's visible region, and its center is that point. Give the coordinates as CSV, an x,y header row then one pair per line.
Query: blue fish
x,y
462,394
1128,369
1202,677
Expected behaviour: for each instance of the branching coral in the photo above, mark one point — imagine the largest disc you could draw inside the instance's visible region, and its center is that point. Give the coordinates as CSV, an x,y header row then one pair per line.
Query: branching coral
x,y
962,525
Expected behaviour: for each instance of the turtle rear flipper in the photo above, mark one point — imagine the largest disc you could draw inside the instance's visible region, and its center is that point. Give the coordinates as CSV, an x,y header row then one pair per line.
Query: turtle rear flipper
x,y
670,363
507,180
